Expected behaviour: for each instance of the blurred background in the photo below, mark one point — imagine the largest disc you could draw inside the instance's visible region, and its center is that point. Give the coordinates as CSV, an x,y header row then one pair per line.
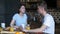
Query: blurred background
x,y
9,7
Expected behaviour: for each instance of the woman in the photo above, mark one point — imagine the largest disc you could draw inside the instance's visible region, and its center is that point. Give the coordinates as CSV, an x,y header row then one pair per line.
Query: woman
x,y
19,18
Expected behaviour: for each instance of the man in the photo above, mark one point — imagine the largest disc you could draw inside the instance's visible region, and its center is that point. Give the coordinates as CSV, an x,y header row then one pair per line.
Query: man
x,y
48,21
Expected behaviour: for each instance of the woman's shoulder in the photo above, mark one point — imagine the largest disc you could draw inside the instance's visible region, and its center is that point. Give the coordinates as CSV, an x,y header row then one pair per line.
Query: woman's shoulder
x,y
25,15
15,14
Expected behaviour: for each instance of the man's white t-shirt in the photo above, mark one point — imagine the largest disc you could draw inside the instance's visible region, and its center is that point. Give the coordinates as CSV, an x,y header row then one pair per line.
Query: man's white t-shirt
x,y
49,22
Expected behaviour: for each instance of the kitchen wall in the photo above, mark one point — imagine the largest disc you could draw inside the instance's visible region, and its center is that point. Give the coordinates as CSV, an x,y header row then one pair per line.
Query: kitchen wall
x,y
2,11
11,9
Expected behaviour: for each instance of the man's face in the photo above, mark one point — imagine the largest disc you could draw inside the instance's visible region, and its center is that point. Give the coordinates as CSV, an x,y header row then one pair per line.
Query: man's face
x,y
22,9
40,10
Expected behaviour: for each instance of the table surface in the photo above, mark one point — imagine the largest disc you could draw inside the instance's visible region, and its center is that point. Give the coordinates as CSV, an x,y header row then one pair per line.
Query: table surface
x,y
7,32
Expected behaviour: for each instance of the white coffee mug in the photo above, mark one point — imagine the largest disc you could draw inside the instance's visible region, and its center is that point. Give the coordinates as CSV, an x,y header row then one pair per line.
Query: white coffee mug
x,y
3,25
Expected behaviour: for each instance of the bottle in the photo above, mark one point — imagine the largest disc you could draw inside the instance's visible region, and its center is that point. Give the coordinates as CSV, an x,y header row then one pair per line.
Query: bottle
x,y
28,27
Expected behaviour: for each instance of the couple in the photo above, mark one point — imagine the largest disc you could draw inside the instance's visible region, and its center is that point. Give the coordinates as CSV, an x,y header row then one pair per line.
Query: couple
x,y
48,25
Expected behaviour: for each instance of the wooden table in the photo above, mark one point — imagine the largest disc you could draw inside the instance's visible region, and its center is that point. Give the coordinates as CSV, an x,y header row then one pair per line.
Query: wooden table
x,y
8,32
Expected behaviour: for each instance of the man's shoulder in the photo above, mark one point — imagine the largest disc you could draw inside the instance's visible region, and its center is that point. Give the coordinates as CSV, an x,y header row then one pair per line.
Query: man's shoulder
x,y
49,16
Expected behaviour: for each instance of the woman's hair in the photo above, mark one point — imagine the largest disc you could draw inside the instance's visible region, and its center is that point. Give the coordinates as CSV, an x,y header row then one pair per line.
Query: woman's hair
x,y
19,6
42,4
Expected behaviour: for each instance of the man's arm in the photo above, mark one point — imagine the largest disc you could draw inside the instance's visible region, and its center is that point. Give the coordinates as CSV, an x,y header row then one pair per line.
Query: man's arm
x,y
43,27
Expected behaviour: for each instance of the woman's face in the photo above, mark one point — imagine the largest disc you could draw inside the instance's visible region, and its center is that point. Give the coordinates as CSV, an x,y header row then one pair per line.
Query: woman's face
x,y
22,9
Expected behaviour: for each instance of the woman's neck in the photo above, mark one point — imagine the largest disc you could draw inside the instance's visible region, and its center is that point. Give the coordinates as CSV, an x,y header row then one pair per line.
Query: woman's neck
x,y
21,14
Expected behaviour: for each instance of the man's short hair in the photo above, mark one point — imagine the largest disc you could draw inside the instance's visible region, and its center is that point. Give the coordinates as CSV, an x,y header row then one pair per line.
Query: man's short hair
x,y
43,4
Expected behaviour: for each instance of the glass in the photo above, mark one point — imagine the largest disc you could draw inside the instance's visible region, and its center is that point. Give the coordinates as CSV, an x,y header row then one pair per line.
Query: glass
x,y
1,29
28,27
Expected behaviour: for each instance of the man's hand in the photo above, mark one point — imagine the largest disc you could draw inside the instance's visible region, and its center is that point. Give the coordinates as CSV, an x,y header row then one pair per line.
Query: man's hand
x,y
26,30
43,27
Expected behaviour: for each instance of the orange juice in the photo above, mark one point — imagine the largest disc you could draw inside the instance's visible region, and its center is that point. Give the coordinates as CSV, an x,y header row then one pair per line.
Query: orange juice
x,y
28,27
1,29
11,29
19,33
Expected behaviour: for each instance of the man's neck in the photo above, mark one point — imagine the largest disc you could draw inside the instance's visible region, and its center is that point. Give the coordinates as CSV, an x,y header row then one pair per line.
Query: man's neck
x,y
44,13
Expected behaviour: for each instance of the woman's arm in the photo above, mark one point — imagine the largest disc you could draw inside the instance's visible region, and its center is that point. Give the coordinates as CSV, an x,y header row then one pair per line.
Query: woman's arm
x,y
12,23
